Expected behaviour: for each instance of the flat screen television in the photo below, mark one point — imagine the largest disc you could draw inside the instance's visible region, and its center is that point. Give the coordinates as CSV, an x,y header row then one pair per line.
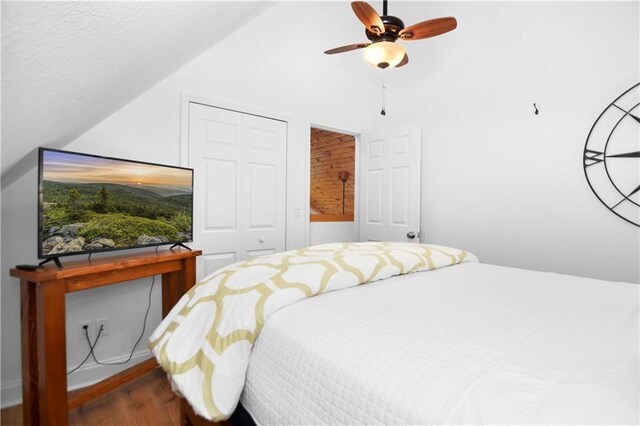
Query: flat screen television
x,y
88,203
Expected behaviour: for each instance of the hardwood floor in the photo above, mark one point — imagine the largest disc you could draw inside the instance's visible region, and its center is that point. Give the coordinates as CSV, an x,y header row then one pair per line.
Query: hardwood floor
x,y
146,400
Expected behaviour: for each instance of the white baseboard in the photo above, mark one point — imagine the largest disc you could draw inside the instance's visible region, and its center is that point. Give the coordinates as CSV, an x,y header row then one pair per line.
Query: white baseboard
x,y
90,373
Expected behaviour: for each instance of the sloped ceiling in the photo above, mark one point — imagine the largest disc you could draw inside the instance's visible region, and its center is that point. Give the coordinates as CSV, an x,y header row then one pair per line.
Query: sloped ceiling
x,y
66,66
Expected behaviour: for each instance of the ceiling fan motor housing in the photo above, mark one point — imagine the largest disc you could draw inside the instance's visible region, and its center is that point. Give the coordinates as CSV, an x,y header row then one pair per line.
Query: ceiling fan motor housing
x,y
392,25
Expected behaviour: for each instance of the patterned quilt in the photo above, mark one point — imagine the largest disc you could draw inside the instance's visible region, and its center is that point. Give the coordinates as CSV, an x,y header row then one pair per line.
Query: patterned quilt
x,y
205,342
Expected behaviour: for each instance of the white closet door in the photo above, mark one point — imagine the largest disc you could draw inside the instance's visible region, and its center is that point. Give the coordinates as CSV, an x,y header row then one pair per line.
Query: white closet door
x,y
239,185
390,185
263,204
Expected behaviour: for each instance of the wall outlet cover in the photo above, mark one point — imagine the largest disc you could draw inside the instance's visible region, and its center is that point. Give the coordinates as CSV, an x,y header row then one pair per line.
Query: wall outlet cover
x,y
81,333
104,323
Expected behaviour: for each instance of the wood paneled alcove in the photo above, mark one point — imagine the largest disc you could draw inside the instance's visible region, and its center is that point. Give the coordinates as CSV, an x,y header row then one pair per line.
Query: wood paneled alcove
x,y
332,155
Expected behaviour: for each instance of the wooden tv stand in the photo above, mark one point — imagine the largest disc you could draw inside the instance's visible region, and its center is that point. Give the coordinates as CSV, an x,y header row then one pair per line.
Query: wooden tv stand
x,y
44,358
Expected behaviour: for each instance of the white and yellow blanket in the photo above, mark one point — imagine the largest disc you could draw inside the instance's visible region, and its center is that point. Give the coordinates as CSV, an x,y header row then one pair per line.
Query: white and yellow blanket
x,y
205,342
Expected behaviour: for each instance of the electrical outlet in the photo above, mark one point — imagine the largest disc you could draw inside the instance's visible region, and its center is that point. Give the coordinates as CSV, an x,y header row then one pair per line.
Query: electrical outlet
x,y
104,323
81,333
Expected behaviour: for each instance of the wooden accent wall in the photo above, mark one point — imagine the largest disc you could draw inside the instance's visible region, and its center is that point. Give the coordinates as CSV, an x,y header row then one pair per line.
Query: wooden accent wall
x,y
331,153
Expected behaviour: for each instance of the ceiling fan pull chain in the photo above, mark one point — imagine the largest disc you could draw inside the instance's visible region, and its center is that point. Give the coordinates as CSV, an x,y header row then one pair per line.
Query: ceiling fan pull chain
x,y
384,88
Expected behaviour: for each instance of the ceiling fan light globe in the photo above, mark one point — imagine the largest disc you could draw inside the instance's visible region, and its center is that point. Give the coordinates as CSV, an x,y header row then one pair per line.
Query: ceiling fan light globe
x,y
383,53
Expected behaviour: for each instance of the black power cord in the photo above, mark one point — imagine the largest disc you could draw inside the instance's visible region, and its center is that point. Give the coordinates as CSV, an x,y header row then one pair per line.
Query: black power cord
x,y
95,342
86,333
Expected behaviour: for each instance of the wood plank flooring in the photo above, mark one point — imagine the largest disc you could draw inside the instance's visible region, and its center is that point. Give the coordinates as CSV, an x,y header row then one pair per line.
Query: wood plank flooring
x,y
146,400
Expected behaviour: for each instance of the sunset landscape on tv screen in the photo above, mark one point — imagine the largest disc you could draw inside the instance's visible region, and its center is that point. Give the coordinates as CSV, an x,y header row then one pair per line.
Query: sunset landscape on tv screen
x,y
90,204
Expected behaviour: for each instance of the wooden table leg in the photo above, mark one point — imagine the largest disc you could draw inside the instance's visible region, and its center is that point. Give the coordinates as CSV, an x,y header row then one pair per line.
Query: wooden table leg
x,y
30,404
188,273
176,284
52,355
170,291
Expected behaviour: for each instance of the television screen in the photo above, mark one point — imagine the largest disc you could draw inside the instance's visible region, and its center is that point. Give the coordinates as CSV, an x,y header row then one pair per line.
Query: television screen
x,y
89,203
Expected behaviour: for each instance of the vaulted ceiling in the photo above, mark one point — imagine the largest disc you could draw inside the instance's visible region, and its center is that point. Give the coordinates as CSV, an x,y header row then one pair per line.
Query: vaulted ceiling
x,y
66,66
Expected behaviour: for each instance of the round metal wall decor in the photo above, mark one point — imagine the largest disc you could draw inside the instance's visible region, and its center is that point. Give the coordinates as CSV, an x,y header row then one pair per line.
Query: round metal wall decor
x,y
612,156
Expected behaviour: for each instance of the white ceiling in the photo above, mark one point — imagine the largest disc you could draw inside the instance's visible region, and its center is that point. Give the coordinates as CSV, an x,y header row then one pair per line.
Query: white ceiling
x,y
66,66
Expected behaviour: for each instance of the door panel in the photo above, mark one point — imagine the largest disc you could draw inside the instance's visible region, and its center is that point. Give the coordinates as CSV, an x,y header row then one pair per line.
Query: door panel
x,y
375,149
221,194
390,198
265,171
255,253
262,196
373,192
239,185
400,196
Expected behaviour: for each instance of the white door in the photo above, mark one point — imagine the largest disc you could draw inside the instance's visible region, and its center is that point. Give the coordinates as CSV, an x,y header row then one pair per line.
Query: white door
x,y
390,185
239,165
265,180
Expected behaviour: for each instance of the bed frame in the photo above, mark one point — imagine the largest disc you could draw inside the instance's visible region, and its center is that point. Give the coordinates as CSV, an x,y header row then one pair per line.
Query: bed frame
x,y
188,417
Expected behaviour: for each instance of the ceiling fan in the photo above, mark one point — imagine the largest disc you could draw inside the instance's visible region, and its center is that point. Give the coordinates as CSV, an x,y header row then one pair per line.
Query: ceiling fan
x,y
385,30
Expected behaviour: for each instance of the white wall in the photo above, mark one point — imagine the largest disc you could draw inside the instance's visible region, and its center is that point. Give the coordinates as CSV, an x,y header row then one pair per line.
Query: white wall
x,y
331,232
496,179
287,74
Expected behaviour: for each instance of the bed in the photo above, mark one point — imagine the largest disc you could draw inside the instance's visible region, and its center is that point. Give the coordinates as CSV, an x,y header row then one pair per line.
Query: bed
x,y
464,343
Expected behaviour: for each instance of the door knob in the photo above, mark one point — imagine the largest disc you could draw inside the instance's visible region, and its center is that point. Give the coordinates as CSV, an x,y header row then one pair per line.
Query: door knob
x,y
261,239
411,235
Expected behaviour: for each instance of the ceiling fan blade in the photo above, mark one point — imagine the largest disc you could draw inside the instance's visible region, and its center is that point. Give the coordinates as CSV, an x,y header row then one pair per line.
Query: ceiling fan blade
x,y
404,61
430,28
368,16
346,48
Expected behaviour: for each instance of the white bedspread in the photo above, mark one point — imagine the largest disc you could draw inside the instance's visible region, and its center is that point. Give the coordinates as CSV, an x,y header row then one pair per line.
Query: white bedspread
x,y
473,344
204,343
